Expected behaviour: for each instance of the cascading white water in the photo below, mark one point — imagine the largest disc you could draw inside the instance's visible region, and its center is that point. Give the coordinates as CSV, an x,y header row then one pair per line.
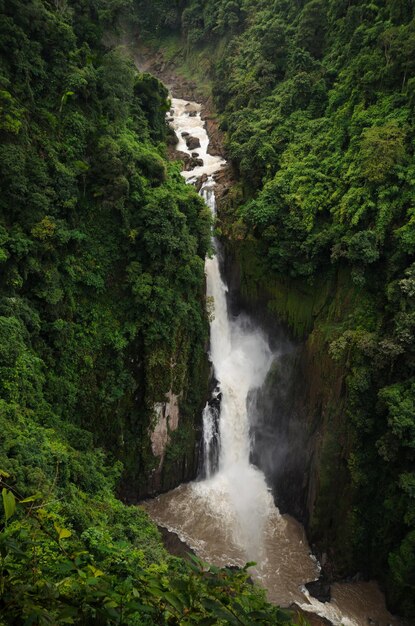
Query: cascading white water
x,y
230,517
210,440
241,359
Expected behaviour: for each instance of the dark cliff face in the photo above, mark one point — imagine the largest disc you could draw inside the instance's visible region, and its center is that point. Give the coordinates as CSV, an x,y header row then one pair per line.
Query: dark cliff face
x,y
176,468
162,450
299,433
281,445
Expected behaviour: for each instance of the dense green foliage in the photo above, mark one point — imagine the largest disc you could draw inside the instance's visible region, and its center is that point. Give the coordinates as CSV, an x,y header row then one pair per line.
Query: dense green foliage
x,y
317,98
102,245
109,568
101,314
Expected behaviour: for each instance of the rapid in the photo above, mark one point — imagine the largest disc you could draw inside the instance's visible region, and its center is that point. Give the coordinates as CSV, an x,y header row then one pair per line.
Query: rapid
x,y
229,517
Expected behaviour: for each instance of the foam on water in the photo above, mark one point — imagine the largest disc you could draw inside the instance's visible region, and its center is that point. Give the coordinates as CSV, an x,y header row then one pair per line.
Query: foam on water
x,y
230,517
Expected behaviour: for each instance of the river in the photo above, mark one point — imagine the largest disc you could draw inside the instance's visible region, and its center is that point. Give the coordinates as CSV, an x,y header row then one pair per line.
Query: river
x,y
229,517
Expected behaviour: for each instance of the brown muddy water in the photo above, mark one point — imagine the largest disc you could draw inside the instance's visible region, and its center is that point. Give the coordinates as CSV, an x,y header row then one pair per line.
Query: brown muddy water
x,y
230,517
201,515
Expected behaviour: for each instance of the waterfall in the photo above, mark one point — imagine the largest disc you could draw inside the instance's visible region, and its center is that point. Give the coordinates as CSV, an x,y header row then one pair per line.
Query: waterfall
x,y
228,516
241,358
210,441
217,309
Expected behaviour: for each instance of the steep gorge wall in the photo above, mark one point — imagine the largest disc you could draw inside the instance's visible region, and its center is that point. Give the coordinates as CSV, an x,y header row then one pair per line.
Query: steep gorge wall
x,y
302,443
102,250
347,415
163,429
301,439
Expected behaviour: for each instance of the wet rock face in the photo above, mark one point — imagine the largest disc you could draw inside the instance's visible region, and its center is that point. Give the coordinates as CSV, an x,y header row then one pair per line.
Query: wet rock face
x,y
312,618
201,182
174,544
281,445
189,162
167,421
192,142
182,156
197,162
320,589
279,438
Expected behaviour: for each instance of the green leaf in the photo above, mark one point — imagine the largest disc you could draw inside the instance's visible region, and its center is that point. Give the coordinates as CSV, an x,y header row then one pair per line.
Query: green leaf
x,y
96,572
67,615
9,503
249,564
63,533
174,601
37,496
195,559
65,567
219,611
155,591
282,616
111,604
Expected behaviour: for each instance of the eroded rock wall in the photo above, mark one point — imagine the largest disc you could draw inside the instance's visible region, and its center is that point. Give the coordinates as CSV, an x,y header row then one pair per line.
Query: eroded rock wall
x,y
300,435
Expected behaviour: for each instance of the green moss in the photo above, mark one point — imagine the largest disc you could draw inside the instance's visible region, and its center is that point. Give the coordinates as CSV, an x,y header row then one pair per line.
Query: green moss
x,y
294,302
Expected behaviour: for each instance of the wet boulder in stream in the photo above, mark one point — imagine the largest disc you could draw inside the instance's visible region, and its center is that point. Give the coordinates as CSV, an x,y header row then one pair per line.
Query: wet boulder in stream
x,y
192,143
320,589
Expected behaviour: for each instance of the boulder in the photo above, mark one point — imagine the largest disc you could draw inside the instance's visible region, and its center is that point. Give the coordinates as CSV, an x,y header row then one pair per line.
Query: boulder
x,y
192,143
191,163
312,618
192,109
182,156
174,544
319,589
201,181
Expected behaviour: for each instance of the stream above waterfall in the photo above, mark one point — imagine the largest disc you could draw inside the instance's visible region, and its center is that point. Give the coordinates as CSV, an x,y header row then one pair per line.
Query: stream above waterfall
x,y
229,517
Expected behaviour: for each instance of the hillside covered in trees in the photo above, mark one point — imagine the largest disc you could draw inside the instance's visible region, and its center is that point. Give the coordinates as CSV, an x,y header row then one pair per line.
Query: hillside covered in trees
x,y
317,101
102,255
102,249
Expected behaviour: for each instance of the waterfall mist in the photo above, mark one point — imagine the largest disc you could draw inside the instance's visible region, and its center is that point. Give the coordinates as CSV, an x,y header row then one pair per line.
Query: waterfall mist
x,y
241,358
228,515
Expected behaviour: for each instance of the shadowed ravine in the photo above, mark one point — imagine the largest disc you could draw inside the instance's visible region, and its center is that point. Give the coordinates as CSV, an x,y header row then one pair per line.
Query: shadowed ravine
x,y
230,517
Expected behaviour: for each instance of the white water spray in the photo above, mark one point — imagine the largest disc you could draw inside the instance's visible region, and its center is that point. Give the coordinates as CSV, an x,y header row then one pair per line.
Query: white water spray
x,y
241,358
230,517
